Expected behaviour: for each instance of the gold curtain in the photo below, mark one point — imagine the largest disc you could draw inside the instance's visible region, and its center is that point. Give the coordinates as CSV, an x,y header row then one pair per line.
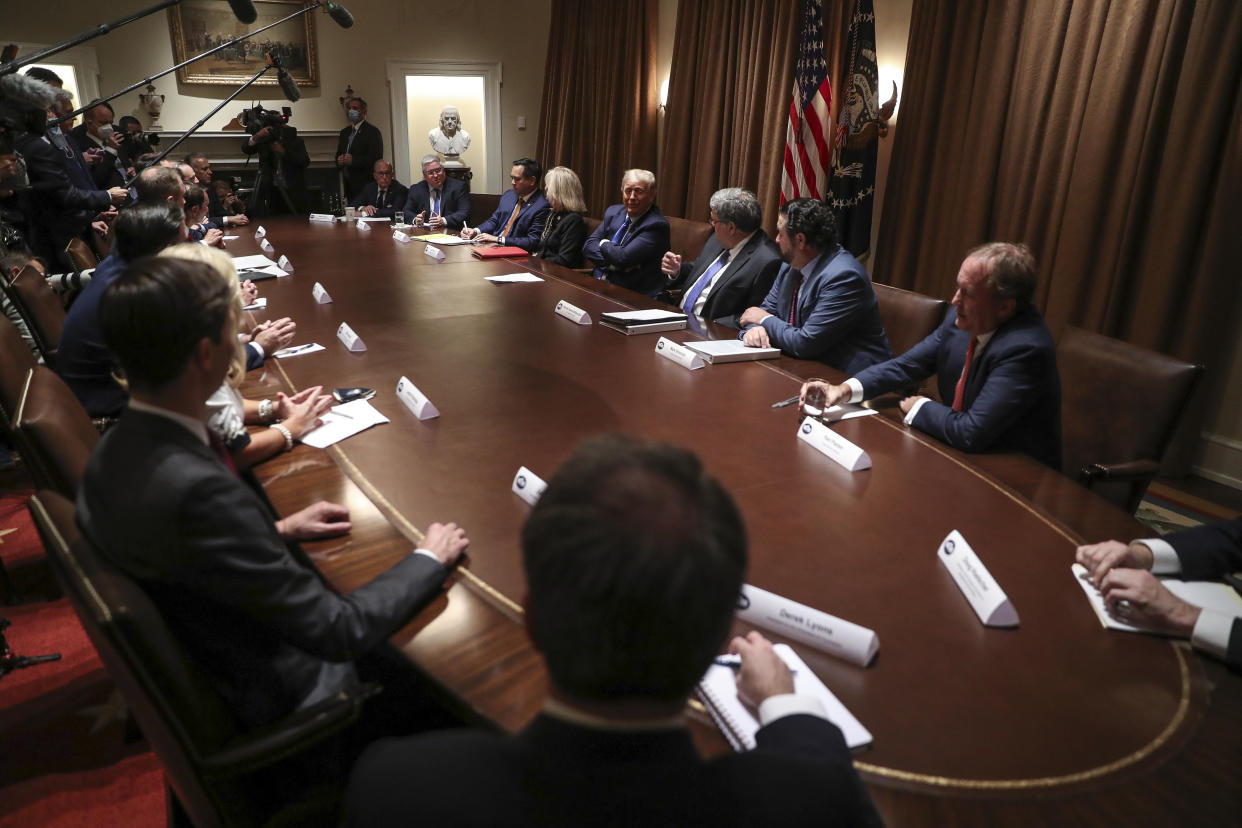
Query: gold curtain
x,y
600,93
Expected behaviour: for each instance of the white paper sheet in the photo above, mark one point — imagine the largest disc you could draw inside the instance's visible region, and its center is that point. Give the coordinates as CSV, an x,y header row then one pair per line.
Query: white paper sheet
x,y
514,277
343,421
298,350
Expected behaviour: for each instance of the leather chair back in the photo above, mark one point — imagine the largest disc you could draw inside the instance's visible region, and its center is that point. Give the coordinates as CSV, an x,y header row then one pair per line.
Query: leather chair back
x,y
592,223
80,255
686,238
1120,406
16,361
482,205
55,433
39,306
907,317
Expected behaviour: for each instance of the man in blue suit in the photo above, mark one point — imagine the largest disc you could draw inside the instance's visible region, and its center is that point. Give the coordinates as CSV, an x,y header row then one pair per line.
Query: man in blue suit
x,y
521,214
995,359
821,305
629,244
383,196
442,202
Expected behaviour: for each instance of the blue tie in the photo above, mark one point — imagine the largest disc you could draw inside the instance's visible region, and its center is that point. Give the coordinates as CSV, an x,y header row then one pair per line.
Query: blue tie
x,y
620,234
435,203
692,295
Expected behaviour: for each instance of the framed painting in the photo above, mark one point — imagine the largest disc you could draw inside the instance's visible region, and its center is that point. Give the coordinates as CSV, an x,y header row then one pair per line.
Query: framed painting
x,y
197,26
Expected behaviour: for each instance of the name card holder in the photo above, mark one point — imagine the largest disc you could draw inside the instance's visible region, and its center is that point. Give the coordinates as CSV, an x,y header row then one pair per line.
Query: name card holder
x,y
362,225
835,636
680,354
349,339
327,218
434,252
416,400
321,295
285,264
528,486
573,313
985,596
266,246
404,238
260,232
833,445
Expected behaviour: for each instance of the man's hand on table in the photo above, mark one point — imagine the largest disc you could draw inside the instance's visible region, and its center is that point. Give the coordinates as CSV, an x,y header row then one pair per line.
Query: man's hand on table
x,y
319,520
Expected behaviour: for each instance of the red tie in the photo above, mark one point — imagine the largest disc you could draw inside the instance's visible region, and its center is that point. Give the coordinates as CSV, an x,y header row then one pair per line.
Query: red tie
x,y
221,451
793,305
960,391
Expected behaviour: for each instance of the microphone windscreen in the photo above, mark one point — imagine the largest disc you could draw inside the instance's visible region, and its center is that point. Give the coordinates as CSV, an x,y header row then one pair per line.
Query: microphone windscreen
x,y
341,15
244,10
288,85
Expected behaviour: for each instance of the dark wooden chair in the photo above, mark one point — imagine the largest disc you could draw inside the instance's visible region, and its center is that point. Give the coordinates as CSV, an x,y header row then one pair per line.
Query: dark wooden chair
x,y
482,205
54,432
907,317
686,238
40,308
209,765
1120,405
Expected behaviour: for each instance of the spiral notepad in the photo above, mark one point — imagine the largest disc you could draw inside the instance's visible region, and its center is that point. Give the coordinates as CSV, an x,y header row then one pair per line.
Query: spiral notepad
x,y
718,692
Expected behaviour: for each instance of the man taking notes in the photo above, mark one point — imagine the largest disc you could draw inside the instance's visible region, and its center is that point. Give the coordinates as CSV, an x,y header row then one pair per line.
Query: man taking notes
x,y
521,214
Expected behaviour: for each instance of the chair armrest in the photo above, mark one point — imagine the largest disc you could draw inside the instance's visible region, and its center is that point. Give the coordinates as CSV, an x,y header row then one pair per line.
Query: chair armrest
x,y
1132,470
290,736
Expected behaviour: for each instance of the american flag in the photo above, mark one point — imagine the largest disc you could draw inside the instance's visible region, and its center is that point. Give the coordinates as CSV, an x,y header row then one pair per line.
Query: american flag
x,y
808,156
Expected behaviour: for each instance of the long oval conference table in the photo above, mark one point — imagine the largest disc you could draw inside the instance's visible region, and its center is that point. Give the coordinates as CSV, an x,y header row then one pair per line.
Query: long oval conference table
x,y
1058,721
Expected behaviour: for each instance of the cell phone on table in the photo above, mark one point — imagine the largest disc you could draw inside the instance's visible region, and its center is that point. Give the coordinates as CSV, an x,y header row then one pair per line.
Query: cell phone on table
x,y
344,395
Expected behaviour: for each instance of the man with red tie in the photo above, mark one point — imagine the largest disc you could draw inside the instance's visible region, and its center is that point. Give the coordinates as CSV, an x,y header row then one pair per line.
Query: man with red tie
x,y
995,360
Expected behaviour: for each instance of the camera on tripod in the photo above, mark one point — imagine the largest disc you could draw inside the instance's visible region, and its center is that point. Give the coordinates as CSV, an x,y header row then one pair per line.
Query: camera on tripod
x,y
256,118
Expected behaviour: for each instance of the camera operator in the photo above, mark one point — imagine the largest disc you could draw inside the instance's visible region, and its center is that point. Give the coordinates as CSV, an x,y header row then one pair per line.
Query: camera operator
x,y
133,144
281,183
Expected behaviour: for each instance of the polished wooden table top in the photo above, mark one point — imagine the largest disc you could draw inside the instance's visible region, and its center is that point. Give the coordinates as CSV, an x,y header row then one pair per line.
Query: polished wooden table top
x,y
989,720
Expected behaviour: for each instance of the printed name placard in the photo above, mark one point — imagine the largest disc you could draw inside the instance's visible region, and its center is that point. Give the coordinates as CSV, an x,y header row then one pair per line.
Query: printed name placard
x,y
404,238
986,597
285,264
321,295
836,447
260,232
266,246
680,354
434,252
810,626
350,339
362,225
573,313
324,217
416,400
528,485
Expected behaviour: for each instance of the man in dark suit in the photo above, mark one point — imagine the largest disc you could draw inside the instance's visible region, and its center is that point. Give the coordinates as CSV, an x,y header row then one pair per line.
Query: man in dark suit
x,y
95,138
821,305
521,214
441,202
737,266
359,146
383,196
627,615
283,160
995,360
159,501
631,241
1125,574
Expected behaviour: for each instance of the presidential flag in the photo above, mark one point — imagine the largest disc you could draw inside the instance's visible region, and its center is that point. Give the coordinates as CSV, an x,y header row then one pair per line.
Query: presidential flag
x,y
856,142
807,143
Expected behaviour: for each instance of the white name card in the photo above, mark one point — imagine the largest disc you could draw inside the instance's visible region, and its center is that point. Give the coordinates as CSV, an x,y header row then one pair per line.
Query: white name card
x,y
321,295
573,313
836,447
266,246
810,626
986,597
680,354
362,225
434,252
260,232
350,339
325,217
528,485
285,264
404,238
416,400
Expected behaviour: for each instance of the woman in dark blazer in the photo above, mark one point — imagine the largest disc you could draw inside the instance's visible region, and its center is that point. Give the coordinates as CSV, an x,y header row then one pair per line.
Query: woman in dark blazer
x,y
563,235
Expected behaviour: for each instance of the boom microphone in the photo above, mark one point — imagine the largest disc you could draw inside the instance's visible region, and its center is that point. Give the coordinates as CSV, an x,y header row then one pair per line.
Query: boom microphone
x,y
288,85
340,14
244,10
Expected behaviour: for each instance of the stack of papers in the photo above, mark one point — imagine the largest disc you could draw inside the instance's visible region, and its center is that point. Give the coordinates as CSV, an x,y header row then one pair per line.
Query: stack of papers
x,y
514,277
643,321
442,238
256,267
343,421
731,350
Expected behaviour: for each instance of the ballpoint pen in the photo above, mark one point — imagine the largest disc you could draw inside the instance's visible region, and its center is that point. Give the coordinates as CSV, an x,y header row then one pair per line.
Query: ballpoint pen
x,y
784,403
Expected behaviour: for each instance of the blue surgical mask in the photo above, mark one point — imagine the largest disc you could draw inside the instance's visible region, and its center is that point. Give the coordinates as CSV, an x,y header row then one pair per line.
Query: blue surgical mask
x,y
354,116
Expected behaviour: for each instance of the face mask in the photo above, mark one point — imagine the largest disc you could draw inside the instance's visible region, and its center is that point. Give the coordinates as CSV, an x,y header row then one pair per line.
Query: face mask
x,y
53,128
354,116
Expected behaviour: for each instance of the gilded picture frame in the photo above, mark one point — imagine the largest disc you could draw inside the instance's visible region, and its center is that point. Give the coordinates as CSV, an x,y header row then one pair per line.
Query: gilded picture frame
x,y
199,25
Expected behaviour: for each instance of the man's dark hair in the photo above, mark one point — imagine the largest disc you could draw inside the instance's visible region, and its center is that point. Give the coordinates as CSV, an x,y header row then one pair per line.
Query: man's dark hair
x,y
45,75
16,259
157,183
104,104
634,560
530,167
1011,270
194,156
146,229
156,312
195,194
813,219
126,120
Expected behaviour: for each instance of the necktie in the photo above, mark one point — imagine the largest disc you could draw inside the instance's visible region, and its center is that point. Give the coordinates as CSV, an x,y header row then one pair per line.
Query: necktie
x,y
379,201
793,305
960,391
435,202
620,234
692,295
221,451
513,218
